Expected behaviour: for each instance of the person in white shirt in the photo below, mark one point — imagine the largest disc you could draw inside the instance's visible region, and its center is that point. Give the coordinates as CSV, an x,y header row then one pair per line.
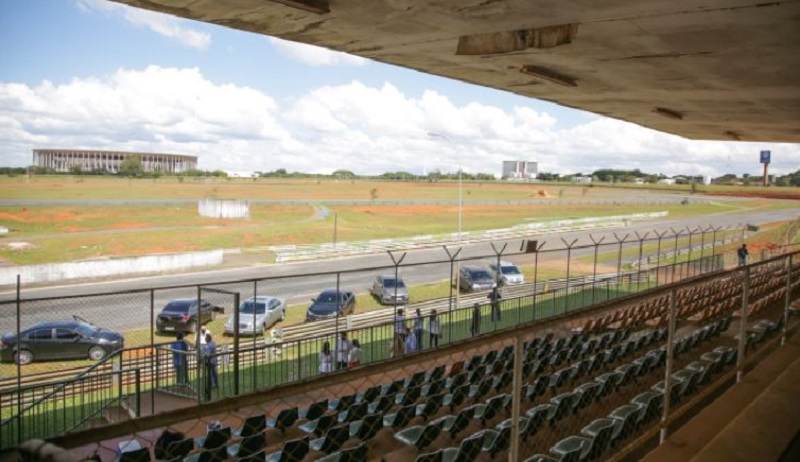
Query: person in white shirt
x,y
434,328
326,359
342,351
355,354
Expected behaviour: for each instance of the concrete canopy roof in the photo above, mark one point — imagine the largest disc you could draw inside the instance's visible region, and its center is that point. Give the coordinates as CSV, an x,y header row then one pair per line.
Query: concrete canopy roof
x,y
701,69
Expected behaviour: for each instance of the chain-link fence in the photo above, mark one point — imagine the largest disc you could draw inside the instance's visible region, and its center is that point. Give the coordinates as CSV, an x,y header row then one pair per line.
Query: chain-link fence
x,y
259,340
606,382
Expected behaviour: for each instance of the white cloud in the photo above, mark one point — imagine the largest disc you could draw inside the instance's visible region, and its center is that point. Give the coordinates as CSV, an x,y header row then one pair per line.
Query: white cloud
x,y
369,130
163,24
314,55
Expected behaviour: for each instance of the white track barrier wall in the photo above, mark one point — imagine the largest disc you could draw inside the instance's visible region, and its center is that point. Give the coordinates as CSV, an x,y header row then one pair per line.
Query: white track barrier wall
x,y
223,208
113,267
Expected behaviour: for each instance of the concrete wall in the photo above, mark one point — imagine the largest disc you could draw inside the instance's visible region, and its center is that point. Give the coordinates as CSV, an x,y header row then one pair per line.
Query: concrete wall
x,y
113,267
223,208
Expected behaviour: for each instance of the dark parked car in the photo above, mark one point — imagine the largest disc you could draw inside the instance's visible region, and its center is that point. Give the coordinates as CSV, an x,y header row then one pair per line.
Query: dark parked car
x,y
181,315
389,291
76,339
329,303
475,278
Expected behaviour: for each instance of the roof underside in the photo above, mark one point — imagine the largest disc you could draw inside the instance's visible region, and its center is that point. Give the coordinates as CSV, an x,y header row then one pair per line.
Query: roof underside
x,y
712,69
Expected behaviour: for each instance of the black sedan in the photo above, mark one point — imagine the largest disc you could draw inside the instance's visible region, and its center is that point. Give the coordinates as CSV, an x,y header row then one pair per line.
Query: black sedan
x,y
66,339
331,303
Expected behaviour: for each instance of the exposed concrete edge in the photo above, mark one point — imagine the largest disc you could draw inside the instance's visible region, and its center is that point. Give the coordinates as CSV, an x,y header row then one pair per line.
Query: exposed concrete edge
x,y
755,419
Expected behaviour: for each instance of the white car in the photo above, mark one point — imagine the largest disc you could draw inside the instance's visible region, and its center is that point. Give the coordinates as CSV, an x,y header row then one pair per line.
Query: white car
x,y
509,274
257,314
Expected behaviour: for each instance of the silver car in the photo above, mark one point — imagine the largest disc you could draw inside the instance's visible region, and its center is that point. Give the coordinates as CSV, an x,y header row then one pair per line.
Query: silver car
x,y
257,314
508,275
388,292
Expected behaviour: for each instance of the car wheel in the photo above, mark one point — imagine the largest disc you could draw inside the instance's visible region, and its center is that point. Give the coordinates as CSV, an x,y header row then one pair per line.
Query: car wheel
x,y
96,353
23,357
191,327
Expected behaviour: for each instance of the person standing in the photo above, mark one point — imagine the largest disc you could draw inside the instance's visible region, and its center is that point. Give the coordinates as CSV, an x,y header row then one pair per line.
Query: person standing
x,y
494,299
342,351
355,354
326,359
399,333
743,254
434,328
411,342
475,327
210,361
179,359
419,327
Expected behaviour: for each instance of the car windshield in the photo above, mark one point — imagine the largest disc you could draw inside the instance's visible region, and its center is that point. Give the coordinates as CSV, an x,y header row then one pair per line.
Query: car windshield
x,y
253,308
177,307
390,283
480,274
509,269
328,297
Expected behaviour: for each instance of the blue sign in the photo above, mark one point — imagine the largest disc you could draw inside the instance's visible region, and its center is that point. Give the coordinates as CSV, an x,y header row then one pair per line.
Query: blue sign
x,y
765,157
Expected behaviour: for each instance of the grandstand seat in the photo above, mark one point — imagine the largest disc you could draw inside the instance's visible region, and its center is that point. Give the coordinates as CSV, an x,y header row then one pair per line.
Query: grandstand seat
x,y
252,425
541,458
453,424
436,374
416,379
354,454
478,392
419,436
524,426
487,411
248,446
496,441
369,395
353,413
467,451
563,404
434,387
410,396
558,378
431,406
457,396
400,418
588,391
342,404
366,428
293,451
390,388
628,374
178,449
257,457
601,432
456,381
703,368
383,404
315,411
219,454
332,441
538,414
319,426
650,402
502,381
141,454
285,419
572,448
675,389
625,421
688,379
611,380
537,388
214,438
435,456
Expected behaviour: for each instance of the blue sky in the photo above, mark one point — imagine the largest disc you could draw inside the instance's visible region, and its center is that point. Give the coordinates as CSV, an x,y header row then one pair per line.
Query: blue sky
x,y
100,75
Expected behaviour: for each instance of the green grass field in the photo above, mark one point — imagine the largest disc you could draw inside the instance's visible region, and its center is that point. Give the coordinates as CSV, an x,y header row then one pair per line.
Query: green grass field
x,y
51,234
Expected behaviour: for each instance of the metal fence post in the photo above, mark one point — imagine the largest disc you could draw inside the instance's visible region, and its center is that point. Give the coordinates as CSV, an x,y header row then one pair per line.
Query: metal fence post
x,y
452,258
639,266
619,262
516,393
673,309
675,252
154,351
594,265
496,307
788,297
236,345
658,256
743,324
19,365
569,256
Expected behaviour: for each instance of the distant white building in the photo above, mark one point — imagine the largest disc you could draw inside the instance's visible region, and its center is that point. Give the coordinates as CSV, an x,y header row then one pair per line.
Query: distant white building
x,y
519,170
582,179
666,181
